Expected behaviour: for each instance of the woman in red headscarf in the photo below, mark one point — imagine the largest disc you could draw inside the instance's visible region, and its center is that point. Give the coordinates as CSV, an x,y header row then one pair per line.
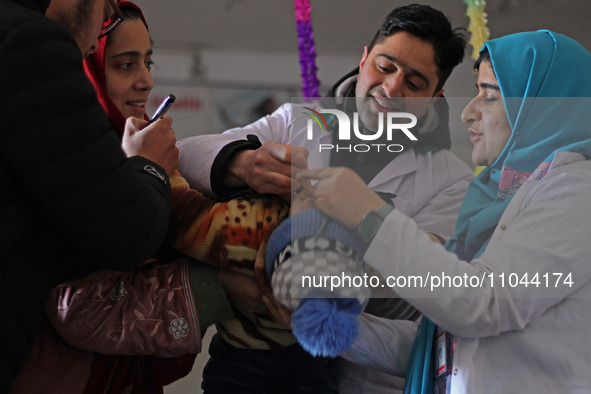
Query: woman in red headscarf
x,y
120,68
158,309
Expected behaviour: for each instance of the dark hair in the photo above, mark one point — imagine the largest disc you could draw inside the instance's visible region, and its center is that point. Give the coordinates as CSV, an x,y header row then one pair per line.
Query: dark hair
x,y
129,12
429,25
484,56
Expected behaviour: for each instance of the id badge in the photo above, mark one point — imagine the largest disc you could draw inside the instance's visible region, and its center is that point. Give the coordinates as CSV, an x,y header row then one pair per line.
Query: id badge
x,y
441,352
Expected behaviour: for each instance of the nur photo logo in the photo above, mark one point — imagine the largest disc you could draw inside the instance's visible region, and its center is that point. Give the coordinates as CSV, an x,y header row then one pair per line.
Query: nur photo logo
x,y
317,117
388,123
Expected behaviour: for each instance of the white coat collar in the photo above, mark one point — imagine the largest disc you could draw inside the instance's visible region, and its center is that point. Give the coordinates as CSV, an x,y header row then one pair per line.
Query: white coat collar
x,y
404,163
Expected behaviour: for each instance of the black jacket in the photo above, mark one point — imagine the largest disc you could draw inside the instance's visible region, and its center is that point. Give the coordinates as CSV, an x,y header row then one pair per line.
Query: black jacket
x,y
70,201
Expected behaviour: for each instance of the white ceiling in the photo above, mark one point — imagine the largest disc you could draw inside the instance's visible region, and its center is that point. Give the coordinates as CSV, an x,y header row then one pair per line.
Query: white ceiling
x,y
341,27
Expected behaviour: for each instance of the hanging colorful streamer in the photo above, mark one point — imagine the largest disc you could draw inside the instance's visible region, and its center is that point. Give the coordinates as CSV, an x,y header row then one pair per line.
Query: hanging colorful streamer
x,y
310,82
479,32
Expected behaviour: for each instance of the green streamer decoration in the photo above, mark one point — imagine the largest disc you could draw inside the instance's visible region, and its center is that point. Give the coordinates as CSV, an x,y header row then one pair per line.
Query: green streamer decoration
x,y
479,32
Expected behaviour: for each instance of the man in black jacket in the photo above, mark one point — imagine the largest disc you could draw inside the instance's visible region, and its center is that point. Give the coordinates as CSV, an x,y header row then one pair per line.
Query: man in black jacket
x,y
72,200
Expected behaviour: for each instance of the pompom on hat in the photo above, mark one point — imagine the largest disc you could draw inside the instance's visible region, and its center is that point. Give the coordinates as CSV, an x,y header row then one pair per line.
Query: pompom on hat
x,y
298,263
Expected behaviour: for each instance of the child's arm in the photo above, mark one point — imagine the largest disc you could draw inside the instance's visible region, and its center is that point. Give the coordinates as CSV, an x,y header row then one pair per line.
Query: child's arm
x,y
223,234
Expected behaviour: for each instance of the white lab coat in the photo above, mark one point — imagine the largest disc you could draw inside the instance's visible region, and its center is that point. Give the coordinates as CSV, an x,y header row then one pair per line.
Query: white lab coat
x,y
510,338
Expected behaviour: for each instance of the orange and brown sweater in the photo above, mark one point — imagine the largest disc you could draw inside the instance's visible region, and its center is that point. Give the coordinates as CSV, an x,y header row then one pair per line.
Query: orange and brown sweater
x,y
230,235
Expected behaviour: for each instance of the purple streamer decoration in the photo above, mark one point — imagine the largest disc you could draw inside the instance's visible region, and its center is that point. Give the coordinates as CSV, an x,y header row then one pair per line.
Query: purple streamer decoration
x,y
310,82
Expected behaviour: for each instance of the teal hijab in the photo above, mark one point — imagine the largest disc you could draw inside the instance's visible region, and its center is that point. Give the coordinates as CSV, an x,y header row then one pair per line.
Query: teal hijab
x,y
545,80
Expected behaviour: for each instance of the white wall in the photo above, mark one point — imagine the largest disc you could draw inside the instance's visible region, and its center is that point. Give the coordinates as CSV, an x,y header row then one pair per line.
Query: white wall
x,y
211,79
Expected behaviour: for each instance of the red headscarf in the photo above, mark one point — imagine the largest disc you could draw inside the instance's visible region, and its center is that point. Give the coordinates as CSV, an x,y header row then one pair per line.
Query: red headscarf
x,y
94,65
